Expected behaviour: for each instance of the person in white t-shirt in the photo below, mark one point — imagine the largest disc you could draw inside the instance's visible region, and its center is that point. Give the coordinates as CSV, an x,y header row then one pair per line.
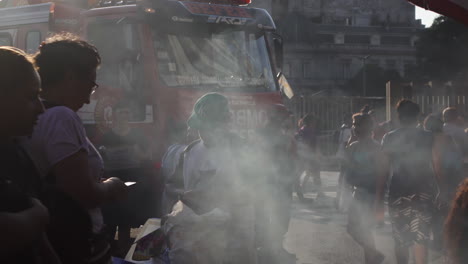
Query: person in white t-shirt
x,y
214,176
65,157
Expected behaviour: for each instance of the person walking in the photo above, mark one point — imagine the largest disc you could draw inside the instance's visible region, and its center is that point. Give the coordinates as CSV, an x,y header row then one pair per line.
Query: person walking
x,y
278,151
66,159
344,193
308,154
364,165
413,185
450,164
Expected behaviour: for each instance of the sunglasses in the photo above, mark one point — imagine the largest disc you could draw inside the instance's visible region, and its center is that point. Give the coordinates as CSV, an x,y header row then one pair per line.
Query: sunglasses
x,y
95,87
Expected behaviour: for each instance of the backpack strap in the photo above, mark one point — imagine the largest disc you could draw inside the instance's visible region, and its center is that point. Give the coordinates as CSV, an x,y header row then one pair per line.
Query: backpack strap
x,y
177,178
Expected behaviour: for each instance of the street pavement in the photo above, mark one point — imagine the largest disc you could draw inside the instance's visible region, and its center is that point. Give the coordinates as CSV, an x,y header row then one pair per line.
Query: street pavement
x,y
317,232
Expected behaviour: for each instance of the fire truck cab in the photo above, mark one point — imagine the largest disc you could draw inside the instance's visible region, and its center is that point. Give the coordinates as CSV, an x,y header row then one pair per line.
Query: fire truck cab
x,y
159,56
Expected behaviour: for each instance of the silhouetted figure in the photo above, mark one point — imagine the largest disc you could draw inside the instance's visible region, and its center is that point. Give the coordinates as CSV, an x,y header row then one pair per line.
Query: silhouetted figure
x,y
363,166
456,227
413,185
23,219
308,153
278,151
67,160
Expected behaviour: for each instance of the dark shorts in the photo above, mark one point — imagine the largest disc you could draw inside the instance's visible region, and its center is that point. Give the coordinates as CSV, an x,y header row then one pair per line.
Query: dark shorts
x,y
411,217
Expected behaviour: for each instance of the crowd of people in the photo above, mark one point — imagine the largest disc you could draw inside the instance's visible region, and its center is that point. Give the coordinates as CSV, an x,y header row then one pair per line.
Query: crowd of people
x,y
226,199
416,165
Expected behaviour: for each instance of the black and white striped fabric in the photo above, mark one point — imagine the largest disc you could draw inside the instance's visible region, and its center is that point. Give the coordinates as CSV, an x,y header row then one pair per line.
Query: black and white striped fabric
x,y
411,218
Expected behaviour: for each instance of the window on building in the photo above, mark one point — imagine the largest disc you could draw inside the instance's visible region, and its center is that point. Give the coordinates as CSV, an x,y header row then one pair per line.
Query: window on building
x,y
339,38
409,67
344,72
374,62
326,38
390,64
5,39
375,40
310,70
357,39
310,3
395,40
33,40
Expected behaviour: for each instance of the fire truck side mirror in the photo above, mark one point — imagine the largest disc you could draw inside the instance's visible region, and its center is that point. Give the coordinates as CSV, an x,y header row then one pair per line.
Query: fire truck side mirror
x,y
278,50
285,88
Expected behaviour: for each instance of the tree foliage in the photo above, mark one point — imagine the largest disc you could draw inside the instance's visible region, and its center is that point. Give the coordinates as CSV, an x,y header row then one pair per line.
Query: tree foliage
x,y
376,79
442,52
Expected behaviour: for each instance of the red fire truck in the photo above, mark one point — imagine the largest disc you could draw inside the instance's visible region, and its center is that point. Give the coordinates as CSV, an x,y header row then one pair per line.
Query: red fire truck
x,y
159,56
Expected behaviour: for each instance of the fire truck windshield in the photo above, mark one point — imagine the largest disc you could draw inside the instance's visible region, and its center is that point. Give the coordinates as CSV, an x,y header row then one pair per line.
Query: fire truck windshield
x,y
121,70
228,60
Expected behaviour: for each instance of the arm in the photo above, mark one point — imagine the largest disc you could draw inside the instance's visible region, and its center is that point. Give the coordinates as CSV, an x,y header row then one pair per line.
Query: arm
x,y
437,160
22,229
72,177
383,173
383,166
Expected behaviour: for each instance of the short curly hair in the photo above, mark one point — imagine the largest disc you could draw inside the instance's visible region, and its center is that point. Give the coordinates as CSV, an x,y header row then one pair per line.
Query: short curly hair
x,y
408,111
63,53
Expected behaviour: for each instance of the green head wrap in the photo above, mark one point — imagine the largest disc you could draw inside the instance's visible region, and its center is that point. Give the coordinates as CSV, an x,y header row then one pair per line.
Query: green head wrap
x,y
209,110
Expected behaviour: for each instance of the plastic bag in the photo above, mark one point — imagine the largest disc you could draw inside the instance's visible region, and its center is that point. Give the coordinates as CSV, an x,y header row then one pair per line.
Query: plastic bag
x,y
196,238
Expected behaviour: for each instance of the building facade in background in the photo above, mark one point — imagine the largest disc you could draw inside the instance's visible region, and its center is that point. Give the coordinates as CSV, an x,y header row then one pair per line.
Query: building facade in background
x,y
327,42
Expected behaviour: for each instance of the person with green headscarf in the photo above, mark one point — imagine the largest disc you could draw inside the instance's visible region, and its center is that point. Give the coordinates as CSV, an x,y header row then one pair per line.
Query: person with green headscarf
x,y
213,175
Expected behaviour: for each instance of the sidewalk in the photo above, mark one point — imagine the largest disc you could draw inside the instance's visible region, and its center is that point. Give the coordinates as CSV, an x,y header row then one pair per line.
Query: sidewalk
x,y
317,233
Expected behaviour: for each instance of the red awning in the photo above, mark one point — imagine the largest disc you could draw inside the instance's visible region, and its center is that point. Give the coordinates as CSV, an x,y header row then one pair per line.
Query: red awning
x,y
457,9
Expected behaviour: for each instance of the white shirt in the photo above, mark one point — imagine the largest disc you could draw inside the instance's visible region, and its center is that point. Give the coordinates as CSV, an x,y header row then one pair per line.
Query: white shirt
x,y
58,135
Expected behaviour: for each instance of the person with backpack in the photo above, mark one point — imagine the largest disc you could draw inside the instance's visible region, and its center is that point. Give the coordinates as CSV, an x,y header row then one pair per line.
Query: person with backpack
x,y
364,164
23,218
68,162
215,182
413,186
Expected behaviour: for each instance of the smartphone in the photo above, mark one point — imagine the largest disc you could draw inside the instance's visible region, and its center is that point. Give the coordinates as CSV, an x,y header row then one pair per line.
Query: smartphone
x,y
130,183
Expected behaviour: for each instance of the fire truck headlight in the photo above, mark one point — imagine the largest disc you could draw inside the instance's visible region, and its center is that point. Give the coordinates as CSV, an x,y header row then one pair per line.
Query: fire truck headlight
x,y
150,10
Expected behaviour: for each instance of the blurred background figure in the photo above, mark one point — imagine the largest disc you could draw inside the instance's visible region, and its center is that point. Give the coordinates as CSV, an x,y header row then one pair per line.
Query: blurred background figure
x,y
450,164
363,166
308,153
279,152
127,156
456,227
413,186
344,193
454,128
